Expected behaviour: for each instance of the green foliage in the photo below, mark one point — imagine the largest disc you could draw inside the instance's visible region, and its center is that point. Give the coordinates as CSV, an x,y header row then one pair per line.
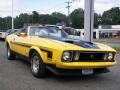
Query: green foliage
x,y
109,17
77,18
34,18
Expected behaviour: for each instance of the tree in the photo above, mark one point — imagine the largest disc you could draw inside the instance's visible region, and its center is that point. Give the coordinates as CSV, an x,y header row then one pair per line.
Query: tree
x,y
22,19
77,18
35,17
59,17
5,23
8,23
111,17
97,20
45,19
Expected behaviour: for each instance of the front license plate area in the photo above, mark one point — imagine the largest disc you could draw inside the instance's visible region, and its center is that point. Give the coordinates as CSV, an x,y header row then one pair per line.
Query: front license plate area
x,y
87,71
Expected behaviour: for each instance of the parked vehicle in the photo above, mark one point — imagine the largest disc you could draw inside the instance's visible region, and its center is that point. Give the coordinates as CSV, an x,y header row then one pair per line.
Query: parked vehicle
x,y
2,35
71,31
10,31
50,48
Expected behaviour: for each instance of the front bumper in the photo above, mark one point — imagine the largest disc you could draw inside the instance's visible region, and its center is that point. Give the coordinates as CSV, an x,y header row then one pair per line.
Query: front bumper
x,y
84,65
76,72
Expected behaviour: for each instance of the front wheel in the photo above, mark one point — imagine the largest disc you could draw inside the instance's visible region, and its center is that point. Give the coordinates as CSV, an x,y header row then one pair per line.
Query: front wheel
x,y
38,68
10,54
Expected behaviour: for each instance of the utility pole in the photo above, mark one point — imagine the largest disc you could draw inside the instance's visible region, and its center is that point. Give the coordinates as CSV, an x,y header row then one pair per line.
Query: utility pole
x,y
89,20
68,7
12,16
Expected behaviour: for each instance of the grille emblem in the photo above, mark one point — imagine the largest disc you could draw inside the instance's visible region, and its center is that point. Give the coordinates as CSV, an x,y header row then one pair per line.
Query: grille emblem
x,y
92,56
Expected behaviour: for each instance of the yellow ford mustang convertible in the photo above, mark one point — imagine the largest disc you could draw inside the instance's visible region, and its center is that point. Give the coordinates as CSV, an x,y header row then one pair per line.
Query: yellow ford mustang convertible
x,y
51,49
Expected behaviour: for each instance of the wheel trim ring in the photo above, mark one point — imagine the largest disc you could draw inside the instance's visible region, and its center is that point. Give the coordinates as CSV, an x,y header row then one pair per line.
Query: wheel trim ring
x,y
35,64
8,52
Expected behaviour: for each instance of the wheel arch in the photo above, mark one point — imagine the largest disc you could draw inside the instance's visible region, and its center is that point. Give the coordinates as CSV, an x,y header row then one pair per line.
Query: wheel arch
x,y
35,49
7,44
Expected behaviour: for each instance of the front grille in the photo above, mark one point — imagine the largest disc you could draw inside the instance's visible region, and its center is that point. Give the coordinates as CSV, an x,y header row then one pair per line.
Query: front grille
x,y
92,57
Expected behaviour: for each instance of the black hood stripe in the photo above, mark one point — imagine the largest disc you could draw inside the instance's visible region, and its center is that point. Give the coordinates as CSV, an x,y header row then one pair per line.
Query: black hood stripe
x,y
81,43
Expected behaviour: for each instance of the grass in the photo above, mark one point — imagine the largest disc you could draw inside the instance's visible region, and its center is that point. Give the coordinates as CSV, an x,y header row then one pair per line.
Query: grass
x,y
115,43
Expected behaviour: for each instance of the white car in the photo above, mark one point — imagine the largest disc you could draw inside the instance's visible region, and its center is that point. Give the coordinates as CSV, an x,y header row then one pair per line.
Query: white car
x,y
2,35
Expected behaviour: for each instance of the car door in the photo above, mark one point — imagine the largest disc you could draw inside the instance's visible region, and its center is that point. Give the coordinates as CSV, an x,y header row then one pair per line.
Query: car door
x,y
21,43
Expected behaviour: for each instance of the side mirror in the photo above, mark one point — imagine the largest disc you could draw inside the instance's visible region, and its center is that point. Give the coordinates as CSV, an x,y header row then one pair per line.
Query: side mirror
x,y
22,34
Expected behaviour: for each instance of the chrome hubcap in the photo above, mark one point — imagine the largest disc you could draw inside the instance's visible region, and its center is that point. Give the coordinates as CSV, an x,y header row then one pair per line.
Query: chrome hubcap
x,y
8,52
35,64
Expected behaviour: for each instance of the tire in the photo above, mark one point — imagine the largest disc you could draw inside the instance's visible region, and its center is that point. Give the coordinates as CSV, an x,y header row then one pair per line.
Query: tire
x,y
10,54
38,68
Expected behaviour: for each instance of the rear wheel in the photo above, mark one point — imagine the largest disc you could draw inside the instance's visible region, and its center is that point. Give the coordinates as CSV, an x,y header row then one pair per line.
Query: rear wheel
x,y
10,54
38,68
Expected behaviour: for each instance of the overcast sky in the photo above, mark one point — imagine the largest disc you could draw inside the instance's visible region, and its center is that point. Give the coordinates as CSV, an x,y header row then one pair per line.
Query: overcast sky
x,y
49,6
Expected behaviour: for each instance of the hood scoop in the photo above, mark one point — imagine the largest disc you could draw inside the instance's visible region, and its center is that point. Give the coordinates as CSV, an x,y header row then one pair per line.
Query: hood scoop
x,y
86,44
69,41
83,44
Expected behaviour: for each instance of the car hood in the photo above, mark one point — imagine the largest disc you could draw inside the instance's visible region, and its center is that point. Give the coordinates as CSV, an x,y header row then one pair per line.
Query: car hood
x,y
68,44
80,43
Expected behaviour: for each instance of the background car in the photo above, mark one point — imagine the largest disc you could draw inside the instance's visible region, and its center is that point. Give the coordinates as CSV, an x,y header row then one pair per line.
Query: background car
x,y
2,34
71,31
11,31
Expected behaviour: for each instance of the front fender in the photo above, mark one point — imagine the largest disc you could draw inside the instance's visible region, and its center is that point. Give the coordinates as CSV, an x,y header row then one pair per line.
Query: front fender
x,y
7,43
43,55
38,51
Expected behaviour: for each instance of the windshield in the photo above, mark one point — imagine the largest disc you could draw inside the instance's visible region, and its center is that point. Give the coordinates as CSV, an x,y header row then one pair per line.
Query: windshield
x,y
47,31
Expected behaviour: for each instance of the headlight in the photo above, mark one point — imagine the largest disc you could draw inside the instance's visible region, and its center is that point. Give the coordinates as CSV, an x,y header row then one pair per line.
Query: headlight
x,y
106,56
76,56
110,56
67,56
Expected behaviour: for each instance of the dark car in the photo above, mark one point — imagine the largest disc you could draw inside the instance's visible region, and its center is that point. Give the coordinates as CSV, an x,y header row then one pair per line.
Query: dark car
x,y
10,31
71,31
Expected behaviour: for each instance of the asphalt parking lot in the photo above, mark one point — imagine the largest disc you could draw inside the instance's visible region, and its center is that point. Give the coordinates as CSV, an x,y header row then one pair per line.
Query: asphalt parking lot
x,y
16,75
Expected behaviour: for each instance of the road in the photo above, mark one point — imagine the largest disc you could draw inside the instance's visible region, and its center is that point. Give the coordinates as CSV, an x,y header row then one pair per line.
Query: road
x,y
16,75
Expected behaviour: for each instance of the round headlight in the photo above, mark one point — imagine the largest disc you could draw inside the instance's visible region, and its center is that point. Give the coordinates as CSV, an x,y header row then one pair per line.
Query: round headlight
x,y
106,56
110,56
77,56
66,56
